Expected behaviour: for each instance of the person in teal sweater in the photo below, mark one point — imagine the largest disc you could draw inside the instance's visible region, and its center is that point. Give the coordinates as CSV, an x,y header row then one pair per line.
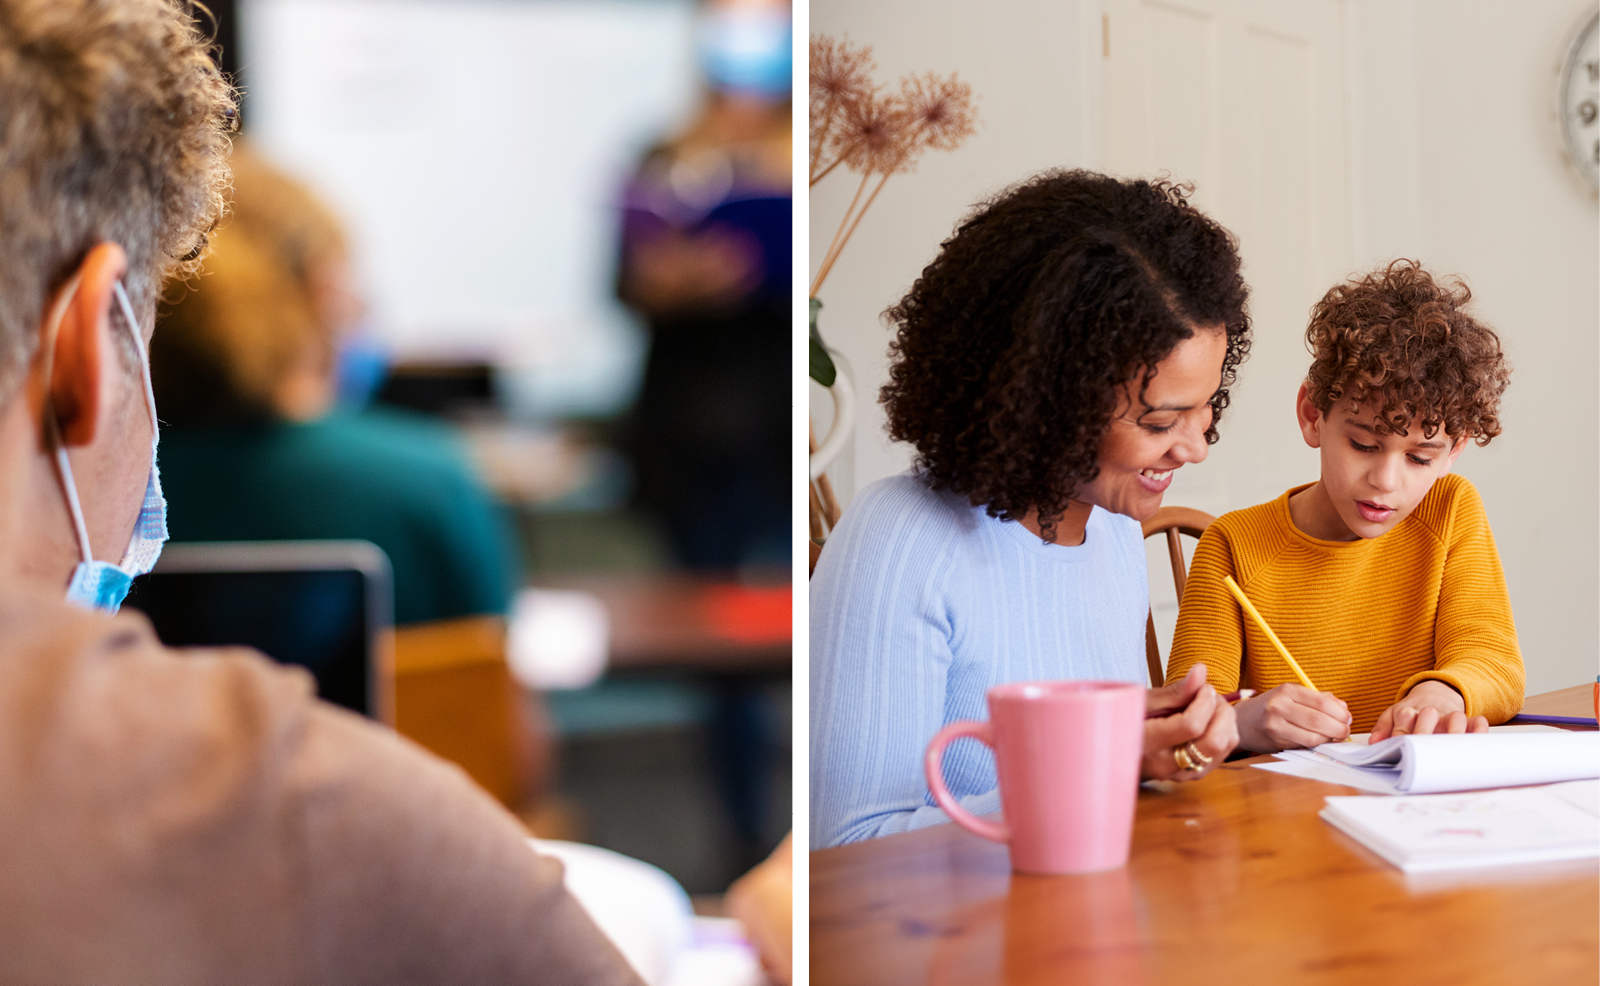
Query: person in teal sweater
x,y
245,374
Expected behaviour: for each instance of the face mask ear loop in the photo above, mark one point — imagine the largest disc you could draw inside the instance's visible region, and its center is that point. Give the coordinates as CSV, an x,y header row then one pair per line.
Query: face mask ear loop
x,y
53,428
138,345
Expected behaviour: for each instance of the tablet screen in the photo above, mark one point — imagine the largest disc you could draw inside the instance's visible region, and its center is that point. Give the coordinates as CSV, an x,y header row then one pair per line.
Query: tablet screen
x,y
314,618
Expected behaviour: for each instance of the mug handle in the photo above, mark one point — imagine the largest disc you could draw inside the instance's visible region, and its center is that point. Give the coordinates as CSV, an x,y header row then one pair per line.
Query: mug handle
x,y
933,763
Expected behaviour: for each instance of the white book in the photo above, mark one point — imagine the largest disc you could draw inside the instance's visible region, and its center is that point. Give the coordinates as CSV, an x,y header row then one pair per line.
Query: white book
x,y
1431,832
1449,762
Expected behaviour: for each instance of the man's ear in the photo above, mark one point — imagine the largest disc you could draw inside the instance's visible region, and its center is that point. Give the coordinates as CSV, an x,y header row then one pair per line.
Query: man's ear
x,y
84,372
1455,451
1309,418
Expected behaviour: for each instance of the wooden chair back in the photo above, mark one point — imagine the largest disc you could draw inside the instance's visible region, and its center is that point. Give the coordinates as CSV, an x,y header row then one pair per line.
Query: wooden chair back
x,y
1171,521
454,694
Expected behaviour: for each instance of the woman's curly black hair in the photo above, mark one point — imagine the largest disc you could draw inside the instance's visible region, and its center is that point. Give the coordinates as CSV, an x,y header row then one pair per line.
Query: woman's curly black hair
x,y
1014,344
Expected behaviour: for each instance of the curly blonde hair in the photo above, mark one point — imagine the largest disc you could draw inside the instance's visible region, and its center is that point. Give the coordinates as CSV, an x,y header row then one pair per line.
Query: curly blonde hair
x,y
227,340
114,126
1404,342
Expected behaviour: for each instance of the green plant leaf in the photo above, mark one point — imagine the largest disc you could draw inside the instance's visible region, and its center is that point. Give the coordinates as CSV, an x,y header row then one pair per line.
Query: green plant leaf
x,y
822,369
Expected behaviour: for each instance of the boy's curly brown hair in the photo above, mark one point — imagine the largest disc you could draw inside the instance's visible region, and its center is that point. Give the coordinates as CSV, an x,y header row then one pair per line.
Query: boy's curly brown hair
x,y
1014,345
1403,342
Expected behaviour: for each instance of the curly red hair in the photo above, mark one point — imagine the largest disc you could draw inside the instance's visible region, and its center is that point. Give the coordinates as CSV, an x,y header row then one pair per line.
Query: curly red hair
x,y
1400,340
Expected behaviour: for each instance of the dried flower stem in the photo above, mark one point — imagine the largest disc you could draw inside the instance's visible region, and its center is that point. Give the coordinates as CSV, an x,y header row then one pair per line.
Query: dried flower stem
x,y
821,140
832,257
835,245
836,162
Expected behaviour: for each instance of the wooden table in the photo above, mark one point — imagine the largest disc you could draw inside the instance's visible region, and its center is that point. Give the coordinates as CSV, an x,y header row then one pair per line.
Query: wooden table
x,y
1575,701
1233,880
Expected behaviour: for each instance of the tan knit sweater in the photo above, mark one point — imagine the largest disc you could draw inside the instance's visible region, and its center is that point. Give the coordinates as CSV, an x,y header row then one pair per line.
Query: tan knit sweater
x,y
1366,619
198,818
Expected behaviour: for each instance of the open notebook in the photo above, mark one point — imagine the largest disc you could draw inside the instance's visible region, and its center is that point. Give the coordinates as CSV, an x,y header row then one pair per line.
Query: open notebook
x,y
1433,832
1505,757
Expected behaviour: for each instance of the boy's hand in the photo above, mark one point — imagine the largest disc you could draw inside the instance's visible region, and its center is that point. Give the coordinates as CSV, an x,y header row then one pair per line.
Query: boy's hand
x,y
1187,711
1289,717
1429,707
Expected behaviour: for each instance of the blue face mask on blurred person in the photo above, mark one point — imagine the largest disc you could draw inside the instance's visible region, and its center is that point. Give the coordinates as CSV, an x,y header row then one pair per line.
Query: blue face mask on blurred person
x,y
99,584
360,366
748,50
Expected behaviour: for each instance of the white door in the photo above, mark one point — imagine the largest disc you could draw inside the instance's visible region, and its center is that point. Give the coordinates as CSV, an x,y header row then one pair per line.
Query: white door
x,y
1248,100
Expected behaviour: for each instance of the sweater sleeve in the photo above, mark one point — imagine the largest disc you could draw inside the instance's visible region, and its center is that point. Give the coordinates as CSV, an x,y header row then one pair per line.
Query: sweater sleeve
x,y
1210,625
880,661
1475,639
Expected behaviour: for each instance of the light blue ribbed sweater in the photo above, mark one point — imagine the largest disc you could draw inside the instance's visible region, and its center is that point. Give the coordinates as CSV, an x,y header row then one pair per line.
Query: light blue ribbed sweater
x,y
919,603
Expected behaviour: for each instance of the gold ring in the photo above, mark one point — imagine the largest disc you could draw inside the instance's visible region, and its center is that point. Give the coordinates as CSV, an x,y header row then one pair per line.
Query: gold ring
x,y
1180,756
1195,755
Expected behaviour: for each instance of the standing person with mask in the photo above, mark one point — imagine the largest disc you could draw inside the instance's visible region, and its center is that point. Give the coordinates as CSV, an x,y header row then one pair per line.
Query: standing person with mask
x,y
705,260
186,817
706,243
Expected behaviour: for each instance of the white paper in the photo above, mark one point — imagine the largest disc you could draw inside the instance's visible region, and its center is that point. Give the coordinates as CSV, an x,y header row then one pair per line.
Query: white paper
x,y
1424,833
1449,762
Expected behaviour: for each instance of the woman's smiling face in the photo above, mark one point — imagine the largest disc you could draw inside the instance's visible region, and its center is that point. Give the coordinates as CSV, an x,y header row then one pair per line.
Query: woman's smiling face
x,y
1152,434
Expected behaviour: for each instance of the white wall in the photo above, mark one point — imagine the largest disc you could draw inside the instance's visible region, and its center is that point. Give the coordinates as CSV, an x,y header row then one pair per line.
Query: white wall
x,y
1456,159
1459,161
1031,65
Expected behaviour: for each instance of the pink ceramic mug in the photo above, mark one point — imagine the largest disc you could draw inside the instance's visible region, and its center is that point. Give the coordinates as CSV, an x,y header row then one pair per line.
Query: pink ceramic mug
x,y
1067,755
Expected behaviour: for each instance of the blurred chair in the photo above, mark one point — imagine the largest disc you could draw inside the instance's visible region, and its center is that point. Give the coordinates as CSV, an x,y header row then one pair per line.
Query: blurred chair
x,y
1171,521
454,694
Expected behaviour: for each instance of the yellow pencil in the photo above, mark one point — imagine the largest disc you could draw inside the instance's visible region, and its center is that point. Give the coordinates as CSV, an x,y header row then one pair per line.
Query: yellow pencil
x,y
1250,608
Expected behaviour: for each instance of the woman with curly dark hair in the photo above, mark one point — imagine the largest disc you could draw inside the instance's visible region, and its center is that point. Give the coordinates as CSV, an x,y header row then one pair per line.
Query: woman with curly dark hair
x,y
1069,347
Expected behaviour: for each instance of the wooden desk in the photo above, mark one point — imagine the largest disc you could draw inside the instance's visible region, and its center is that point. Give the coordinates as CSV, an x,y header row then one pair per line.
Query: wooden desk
x,y
1575,701
693,623
1233,880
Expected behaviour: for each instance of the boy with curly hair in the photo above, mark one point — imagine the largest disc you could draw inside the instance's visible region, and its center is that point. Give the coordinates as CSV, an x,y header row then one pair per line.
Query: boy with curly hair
x,y
1381,578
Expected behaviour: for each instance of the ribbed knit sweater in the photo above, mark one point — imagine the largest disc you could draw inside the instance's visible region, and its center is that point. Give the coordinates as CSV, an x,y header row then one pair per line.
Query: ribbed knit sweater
x,y
920,602
1366,619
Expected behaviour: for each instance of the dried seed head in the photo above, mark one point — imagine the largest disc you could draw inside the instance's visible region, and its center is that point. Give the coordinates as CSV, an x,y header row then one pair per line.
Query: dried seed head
x,y
874,136
940,108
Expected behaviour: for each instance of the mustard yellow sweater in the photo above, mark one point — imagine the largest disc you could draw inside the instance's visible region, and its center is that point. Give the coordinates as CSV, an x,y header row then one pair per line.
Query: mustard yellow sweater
x,y
1366,619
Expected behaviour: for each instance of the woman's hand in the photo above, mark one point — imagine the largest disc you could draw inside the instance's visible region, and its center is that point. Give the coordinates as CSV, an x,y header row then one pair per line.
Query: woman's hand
x,y
1188,711
1291,717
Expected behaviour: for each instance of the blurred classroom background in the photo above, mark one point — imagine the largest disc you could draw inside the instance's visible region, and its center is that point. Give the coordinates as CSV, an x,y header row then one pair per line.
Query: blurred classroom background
x,y
538,249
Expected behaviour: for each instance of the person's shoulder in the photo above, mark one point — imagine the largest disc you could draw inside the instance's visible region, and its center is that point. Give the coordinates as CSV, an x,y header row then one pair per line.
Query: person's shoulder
x,y
1263,521
897,523
392,431
134,718
1452,504
398,453
1250,539
905,504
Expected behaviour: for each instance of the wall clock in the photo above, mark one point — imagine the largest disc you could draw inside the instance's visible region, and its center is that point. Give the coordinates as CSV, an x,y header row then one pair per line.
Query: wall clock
x,y
1580,100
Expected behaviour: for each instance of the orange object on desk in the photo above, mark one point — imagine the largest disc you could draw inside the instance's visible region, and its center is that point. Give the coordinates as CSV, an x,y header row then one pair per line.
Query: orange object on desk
x,y
750,615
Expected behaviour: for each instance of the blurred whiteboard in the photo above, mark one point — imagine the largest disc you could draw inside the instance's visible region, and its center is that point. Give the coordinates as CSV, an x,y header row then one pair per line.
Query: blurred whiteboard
x,y
477,149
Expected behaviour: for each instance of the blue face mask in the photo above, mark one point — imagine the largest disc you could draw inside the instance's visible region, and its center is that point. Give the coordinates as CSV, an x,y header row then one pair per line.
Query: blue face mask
x,y
748,50
99,584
